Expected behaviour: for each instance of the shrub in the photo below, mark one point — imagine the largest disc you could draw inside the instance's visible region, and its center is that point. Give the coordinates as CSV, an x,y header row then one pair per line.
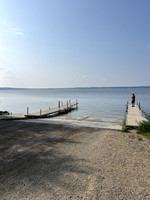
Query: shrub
x,y
144,129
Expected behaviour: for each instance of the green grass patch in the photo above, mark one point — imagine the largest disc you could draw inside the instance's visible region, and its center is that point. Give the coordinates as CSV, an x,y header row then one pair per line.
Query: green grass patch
x,y
144,129
124,128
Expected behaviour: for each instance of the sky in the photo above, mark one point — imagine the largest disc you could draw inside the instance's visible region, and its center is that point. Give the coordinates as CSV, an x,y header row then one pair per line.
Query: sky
x,y
74,43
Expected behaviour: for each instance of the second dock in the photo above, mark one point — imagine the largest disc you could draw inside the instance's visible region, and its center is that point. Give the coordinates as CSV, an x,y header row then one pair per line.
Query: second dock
x,y
134,116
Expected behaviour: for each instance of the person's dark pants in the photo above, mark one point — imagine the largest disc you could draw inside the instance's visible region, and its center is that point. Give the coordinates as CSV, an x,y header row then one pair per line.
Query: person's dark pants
x,y
133,102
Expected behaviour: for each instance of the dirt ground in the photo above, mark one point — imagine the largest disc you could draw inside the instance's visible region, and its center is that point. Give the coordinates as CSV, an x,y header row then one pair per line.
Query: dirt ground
x,y
47,161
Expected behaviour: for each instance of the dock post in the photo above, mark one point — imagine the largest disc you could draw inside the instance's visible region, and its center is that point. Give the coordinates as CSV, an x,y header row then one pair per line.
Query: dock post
x,y
49,108
139,106
76,103
67,105
59,106
40,112
27,110
127,106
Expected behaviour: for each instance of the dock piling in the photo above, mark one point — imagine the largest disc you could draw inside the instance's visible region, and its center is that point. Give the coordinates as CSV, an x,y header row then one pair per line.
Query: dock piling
x,y
127,106
27,110
59,106
76,103
139,106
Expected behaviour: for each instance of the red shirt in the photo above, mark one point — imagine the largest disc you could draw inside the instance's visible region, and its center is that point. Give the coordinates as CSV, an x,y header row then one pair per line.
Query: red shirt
x,y
133,97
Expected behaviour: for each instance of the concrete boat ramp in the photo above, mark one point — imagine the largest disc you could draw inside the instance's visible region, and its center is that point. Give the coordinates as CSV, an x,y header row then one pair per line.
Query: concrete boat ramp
x,y
134,116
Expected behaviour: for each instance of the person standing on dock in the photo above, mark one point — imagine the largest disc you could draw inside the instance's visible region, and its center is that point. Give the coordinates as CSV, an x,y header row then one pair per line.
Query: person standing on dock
x,y
133,100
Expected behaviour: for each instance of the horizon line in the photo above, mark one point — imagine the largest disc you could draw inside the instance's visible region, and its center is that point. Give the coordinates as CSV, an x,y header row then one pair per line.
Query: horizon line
x,y
93,87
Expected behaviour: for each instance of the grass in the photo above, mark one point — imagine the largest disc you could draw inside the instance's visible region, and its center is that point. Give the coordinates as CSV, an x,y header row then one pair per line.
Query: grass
x,y
144,129
124,128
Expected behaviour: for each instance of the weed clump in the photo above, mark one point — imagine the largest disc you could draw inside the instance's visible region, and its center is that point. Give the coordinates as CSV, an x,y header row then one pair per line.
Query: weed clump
x,y
144,129
124,128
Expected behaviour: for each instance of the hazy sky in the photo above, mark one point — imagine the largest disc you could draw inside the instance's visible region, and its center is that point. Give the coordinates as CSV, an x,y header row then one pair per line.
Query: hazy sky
x,y
74,43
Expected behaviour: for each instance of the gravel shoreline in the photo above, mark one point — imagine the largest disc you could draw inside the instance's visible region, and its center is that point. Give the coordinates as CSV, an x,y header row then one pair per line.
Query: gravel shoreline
x,y
51,161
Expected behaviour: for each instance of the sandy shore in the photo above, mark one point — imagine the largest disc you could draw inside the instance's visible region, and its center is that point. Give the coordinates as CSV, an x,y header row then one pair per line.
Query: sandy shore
x,y
51,161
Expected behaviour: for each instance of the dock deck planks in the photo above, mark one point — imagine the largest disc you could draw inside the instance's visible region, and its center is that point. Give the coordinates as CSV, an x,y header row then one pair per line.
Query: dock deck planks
x,y
134,116
57,110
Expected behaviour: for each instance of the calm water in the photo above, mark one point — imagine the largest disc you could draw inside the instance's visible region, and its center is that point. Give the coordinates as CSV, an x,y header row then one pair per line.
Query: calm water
x,y
97,105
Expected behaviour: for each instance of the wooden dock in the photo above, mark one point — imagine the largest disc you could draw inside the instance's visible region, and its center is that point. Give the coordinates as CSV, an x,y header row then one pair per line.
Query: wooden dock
x,y
134,116
54,111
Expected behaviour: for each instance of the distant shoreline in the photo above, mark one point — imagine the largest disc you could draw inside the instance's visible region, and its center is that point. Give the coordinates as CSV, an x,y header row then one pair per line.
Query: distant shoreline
x,y
14,88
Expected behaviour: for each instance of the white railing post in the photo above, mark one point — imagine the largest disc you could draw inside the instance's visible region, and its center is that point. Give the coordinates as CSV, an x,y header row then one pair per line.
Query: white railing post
x,y
59,106
27,110
76,103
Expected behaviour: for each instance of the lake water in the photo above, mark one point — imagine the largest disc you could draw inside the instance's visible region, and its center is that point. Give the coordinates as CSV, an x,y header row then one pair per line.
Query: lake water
x,y
100,107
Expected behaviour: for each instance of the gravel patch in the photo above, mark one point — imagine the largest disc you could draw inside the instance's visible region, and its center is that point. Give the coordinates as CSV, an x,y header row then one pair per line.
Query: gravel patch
x,y
51,161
